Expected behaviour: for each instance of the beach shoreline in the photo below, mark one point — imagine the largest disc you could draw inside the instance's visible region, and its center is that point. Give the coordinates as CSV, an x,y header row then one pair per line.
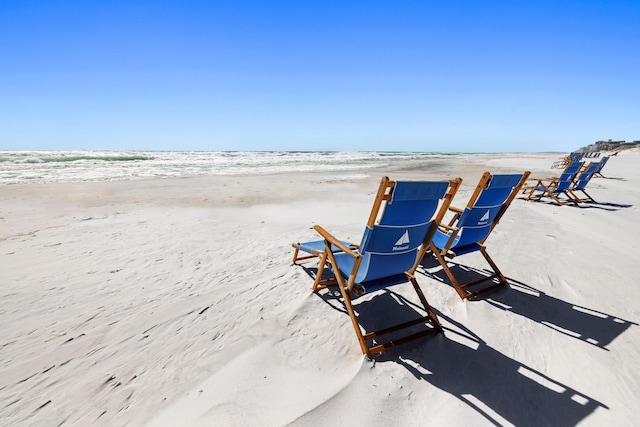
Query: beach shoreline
x,y
164,300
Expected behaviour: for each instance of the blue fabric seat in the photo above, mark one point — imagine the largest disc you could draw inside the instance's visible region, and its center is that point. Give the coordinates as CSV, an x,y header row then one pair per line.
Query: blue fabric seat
x,y
467,231
403,219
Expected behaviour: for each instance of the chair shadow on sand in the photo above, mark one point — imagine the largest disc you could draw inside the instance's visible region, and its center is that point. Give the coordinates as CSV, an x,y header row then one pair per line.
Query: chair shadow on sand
x,y
460,363
605,206
588,325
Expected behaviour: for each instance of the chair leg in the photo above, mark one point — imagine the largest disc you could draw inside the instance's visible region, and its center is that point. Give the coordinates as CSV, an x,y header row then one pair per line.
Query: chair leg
x,y
552,194
533,189
574,197
354,319
554,197
547,192
543,189
295,253
588,196
500,276
425,304
320,283
464,290
443,262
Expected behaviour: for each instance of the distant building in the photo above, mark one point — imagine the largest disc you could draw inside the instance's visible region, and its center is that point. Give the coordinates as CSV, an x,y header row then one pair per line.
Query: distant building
x,y
610,142
609,145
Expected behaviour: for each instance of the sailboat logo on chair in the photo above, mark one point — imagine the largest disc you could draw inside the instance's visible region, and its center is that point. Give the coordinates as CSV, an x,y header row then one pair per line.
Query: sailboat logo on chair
x,y
403,242
484,218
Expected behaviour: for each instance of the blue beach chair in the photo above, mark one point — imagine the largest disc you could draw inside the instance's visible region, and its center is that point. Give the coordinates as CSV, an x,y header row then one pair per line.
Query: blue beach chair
x,y
567,160
470,227
598,170
403,219
554,187
581,181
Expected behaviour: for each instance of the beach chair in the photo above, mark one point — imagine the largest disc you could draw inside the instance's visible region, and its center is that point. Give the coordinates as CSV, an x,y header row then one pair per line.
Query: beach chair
x,y
581,181
567,160
567,166
575,156
470,227
598,170
562,163
316,249
554,187
402,221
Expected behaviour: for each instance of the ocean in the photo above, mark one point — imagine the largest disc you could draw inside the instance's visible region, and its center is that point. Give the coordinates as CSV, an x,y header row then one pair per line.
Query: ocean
x,y
69,166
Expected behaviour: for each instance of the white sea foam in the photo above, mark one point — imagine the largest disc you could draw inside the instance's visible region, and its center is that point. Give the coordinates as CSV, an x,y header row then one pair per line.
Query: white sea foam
x,y
63,166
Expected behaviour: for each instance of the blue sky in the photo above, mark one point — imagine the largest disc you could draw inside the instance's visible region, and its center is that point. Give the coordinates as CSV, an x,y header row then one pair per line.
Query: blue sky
x,y
327,75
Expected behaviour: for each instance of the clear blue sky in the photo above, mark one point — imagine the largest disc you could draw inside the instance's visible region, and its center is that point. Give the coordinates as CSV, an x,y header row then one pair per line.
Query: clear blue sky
x,y
327,75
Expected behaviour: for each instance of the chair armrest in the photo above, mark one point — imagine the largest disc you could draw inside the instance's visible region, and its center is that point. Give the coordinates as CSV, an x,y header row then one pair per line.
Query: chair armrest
x,y
456,215
332,240
447,227
549,178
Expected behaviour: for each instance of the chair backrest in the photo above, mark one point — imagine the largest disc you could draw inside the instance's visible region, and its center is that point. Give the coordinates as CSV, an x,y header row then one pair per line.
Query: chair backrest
x,y
573,167
576,156
568,176
493,196
407,215
601,164
583,178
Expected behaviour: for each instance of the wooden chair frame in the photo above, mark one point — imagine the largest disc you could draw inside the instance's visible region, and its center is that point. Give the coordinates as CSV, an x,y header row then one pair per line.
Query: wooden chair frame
x,y
463,290
548,187
348,287
598,171
591,169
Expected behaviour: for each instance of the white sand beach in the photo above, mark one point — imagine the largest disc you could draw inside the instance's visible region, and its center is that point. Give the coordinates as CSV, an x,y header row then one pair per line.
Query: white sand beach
x,y
173,301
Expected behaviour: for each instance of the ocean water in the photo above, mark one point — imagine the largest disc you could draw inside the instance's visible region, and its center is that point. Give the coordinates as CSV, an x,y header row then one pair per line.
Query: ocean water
x,y
69,166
